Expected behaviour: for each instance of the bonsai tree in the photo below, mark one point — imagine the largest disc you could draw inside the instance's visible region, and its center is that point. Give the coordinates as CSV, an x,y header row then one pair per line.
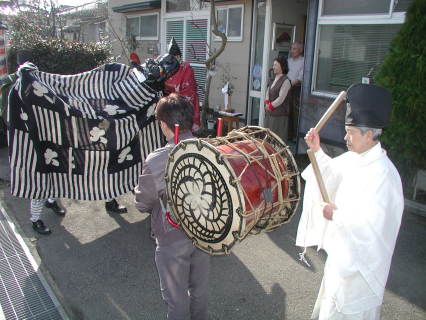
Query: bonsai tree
x,y
404,73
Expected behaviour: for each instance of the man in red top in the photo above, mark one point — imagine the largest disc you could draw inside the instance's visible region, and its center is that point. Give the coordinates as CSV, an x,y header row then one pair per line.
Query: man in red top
x,y
183,82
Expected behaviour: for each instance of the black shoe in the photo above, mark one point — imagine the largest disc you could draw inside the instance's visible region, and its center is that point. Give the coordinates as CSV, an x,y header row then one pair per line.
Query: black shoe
x,y
113,207
41,228
55,208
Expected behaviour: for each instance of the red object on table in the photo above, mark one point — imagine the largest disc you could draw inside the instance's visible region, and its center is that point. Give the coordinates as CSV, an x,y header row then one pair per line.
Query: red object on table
x,y
219,127
176,133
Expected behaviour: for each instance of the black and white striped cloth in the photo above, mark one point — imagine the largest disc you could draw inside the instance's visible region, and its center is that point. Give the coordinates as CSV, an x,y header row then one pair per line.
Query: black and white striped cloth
x,y
82,136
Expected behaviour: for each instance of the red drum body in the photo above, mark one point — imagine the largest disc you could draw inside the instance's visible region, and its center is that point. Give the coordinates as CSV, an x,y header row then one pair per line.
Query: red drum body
x,y
224,188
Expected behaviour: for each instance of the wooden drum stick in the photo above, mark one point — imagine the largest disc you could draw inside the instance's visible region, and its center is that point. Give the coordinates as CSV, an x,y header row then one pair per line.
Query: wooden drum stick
x,y
318,176
336,103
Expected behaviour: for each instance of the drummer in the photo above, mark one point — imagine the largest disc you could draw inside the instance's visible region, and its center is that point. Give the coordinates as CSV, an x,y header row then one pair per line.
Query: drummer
x,y
362,223
183,269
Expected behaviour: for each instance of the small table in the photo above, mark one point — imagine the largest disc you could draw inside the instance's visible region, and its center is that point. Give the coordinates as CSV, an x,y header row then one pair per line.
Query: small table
x,y
230,120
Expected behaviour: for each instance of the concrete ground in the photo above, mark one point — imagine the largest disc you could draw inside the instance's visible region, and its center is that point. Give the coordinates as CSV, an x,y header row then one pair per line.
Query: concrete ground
x,y
102,266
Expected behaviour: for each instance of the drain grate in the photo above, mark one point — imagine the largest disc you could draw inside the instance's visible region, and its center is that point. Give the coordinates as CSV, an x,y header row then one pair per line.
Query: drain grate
x,y
22,293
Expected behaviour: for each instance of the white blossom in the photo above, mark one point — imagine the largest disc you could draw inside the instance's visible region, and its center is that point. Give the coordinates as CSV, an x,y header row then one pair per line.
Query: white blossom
x,y
113,109
39,89
151,110
50,157
124,155
97,134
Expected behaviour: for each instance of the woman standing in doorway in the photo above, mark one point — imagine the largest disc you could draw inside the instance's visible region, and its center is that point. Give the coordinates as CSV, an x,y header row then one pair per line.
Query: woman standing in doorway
x,y
277,100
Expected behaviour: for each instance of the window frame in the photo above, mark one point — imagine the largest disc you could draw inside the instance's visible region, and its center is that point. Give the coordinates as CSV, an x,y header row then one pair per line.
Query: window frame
x,y
366,19
139,16
227,7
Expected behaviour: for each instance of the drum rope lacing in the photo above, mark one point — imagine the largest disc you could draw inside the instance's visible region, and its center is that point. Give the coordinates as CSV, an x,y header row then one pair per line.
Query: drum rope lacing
x,y
249,159
230,141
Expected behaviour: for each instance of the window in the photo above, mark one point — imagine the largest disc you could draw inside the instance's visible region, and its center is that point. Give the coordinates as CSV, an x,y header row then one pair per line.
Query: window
x,y
353,38
402,5
178,5
348,52
143,27
230,22
191,35
350,7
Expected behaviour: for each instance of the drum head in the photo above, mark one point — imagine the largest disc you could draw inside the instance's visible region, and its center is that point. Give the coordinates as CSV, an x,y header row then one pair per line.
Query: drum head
x,y
203,197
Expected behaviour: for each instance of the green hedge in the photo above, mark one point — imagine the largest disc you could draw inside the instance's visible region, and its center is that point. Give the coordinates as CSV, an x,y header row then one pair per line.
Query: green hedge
x,y
62,57
404,74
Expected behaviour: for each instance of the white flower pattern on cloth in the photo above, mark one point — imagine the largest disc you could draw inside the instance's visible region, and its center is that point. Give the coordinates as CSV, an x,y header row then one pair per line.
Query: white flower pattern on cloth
x,y
197,200
72,163
124,155
39,89
113,109
97,134
151,110
50,157
24,116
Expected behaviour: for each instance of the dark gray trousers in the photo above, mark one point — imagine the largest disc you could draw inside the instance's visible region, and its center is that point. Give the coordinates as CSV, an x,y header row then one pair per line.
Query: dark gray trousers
x,y
184,275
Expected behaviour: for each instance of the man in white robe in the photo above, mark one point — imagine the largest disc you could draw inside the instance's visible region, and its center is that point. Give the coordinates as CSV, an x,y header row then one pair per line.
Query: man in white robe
x,y
358,230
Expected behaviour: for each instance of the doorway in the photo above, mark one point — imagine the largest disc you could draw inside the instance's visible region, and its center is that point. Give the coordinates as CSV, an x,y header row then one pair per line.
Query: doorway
x,y
275,25
259,49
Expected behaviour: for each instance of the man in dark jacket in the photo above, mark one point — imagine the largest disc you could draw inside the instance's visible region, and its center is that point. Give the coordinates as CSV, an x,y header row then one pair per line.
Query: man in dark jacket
x,y
183,269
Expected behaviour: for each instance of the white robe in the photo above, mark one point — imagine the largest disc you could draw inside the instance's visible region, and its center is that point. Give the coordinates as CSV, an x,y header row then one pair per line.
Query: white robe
x,y
360,239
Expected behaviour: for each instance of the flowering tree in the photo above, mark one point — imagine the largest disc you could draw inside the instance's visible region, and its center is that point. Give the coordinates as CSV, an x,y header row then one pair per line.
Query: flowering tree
x,y
33,28
34,20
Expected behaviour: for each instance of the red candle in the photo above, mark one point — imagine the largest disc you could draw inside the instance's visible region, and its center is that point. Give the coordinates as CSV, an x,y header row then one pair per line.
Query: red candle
x,y
219,127
176,133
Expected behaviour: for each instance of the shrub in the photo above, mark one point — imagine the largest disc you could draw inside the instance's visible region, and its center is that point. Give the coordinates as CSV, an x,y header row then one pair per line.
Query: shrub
x,y
61,56
404,73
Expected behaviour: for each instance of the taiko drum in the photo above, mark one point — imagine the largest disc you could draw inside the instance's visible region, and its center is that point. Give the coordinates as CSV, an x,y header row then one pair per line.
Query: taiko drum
x,y
222,189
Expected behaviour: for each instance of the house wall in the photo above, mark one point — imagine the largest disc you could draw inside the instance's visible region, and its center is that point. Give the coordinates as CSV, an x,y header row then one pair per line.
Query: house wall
x,y
89,33
117,29
233,64
290,12
117,25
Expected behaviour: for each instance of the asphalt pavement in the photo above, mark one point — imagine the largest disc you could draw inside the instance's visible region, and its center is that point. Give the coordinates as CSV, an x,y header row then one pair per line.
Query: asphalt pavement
x,y
102,266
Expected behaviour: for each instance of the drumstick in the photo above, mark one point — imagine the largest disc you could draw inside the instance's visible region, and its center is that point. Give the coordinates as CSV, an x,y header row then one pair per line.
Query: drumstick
x,y
176,137
336,103
318,176
219,127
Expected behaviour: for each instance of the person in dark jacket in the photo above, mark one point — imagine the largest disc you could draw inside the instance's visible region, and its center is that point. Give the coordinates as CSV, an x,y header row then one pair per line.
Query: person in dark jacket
x,y
277,100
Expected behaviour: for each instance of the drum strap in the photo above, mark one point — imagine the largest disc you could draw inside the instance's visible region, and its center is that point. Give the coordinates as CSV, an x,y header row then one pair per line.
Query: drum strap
x,y
166,211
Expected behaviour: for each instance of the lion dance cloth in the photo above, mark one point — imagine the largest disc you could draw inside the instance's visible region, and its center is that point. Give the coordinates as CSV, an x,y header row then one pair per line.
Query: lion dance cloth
x,y
82,136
